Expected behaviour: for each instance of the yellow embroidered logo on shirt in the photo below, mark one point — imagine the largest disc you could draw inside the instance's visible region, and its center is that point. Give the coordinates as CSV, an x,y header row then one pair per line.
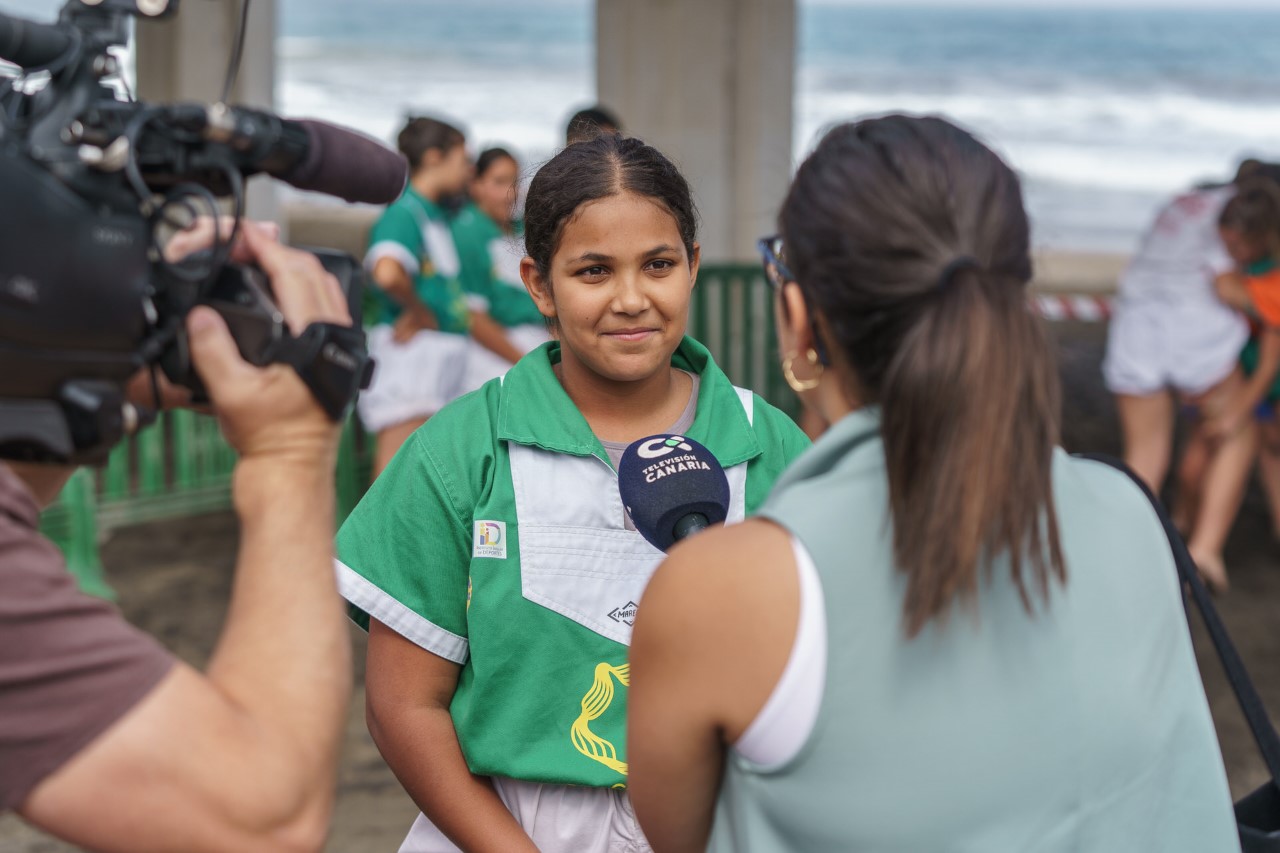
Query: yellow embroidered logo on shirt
x,y
594,704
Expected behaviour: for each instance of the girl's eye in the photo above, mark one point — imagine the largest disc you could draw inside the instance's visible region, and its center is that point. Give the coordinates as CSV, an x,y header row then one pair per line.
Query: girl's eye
x,y
661,264
592,272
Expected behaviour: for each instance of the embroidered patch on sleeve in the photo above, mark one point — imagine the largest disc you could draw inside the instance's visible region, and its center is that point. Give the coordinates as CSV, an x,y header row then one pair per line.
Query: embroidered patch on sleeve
x,y
490,540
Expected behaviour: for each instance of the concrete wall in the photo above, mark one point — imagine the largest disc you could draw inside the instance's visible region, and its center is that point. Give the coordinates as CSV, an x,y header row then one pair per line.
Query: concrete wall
x,y
711,83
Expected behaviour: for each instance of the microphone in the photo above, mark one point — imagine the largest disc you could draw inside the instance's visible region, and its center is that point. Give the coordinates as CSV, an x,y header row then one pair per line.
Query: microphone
x,y
311,155
673,487
348,165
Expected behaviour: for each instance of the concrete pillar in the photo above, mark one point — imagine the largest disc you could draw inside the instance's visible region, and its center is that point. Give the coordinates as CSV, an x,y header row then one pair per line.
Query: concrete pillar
x,y
711,83
184,58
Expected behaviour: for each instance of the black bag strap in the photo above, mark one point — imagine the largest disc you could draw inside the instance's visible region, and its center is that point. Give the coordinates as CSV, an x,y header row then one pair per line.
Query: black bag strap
x,y
1264,733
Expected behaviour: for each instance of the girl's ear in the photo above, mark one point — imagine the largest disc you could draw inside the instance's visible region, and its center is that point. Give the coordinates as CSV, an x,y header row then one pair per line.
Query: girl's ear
x,y
539,288
695,260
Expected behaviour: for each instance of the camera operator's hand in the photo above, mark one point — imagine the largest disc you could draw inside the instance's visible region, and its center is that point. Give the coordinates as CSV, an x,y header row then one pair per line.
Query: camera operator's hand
x,y
243,756
269,411
150,388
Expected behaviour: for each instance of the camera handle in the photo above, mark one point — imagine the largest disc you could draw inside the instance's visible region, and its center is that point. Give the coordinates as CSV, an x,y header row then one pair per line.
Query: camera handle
x,y
332,360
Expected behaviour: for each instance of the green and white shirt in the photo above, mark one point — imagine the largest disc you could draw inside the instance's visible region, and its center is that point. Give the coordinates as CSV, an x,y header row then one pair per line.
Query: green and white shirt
x,y
414,231
496,539
491,267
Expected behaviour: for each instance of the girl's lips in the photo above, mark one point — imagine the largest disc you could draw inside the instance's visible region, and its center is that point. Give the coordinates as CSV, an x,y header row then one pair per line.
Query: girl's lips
x,y
631,334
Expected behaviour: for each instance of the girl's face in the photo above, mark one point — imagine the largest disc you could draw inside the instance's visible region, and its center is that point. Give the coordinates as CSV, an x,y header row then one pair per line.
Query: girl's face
x,y
619,290
1242,248
494,192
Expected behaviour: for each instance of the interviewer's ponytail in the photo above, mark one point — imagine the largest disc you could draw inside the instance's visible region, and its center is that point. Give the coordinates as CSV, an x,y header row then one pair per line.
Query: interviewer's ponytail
x,y
910,241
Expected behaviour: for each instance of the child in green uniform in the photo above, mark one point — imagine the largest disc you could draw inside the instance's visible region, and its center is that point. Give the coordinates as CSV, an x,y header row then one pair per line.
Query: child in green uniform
x,y
422,319
426,332
490,245
493,562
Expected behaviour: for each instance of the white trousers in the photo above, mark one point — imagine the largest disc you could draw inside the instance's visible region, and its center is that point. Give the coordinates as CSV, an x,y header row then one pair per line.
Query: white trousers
x,y
559,819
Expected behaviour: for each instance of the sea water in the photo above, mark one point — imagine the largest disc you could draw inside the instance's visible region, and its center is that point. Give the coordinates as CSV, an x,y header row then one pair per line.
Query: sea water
x,y
1105,113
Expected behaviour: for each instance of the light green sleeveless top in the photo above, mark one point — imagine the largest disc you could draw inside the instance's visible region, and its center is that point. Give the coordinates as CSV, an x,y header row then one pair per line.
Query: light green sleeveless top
x,y
1081,728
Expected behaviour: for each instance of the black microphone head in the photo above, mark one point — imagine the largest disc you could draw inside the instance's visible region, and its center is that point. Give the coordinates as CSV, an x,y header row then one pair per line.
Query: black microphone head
x,y
663,479
347,164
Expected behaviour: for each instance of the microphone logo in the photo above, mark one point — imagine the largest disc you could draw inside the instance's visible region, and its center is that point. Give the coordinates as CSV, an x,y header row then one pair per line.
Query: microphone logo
x,y
663,445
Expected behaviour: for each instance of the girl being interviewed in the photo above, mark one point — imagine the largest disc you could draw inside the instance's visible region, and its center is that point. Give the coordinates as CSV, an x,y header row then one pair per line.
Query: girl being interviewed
x,y
493,561
943,633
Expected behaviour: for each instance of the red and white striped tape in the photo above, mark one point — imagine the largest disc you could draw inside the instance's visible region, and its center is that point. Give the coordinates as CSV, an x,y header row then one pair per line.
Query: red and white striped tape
x,y
1082,308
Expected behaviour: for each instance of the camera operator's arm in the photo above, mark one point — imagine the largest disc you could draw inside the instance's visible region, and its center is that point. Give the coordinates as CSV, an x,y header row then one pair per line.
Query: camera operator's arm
x,y
244,756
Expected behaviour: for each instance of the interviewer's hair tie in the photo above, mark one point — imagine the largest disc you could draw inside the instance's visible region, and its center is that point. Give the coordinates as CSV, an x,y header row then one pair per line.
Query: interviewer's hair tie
x,y
955,265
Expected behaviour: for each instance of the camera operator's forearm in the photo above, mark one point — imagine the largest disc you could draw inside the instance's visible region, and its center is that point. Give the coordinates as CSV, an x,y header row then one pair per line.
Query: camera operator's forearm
x,y
244,756
284,656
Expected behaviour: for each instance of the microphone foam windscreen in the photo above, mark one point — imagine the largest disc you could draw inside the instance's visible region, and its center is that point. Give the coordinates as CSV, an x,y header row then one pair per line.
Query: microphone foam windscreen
x,y
664,478
349,165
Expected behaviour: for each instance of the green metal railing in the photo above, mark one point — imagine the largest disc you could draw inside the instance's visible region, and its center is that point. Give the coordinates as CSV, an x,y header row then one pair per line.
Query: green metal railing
x,y
182,467
732,315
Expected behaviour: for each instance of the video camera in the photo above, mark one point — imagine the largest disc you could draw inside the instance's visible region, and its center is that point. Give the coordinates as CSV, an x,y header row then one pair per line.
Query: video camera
x,y
88,185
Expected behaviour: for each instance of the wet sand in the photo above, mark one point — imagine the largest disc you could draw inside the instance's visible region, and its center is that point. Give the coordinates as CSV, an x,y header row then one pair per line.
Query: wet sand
x,y
173,579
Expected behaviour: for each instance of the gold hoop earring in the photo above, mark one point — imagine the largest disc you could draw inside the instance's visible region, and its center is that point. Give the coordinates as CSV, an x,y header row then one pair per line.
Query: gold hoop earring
x,y
800,385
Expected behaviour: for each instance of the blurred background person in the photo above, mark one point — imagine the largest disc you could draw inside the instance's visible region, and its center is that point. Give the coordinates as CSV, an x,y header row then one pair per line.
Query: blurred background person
x,y
1173,342
427,336
490,243
420,326
943,632
1250,230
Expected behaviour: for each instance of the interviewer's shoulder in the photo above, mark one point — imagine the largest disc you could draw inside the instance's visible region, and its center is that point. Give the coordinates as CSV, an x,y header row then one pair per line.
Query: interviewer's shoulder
x,y
744,569
1099,483
1096,500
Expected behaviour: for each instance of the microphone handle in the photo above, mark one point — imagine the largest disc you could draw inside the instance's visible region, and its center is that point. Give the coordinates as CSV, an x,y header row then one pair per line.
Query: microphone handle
x,y
690,524
310,155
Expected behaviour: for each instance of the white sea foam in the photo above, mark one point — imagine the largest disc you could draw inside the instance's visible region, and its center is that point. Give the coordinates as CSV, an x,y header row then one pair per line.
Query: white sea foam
x,y
1104,114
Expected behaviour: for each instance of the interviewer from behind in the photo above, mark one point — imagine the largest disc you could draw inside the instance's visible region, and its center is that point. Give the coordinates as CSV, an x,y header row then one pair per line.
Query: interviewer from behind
x,y
943,633
106,740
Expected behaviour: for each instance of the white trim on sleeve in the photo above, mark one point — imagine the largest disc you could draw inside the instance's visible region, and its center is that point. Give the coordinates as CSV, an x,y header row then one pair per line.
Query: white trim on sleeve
x,y
392,249
366,595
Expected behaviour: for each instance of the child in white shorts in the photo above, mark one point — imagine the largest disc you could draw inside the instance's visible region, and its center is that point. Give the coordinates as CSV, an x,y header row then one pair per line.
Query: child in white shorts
x,y
1172,342
421,332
